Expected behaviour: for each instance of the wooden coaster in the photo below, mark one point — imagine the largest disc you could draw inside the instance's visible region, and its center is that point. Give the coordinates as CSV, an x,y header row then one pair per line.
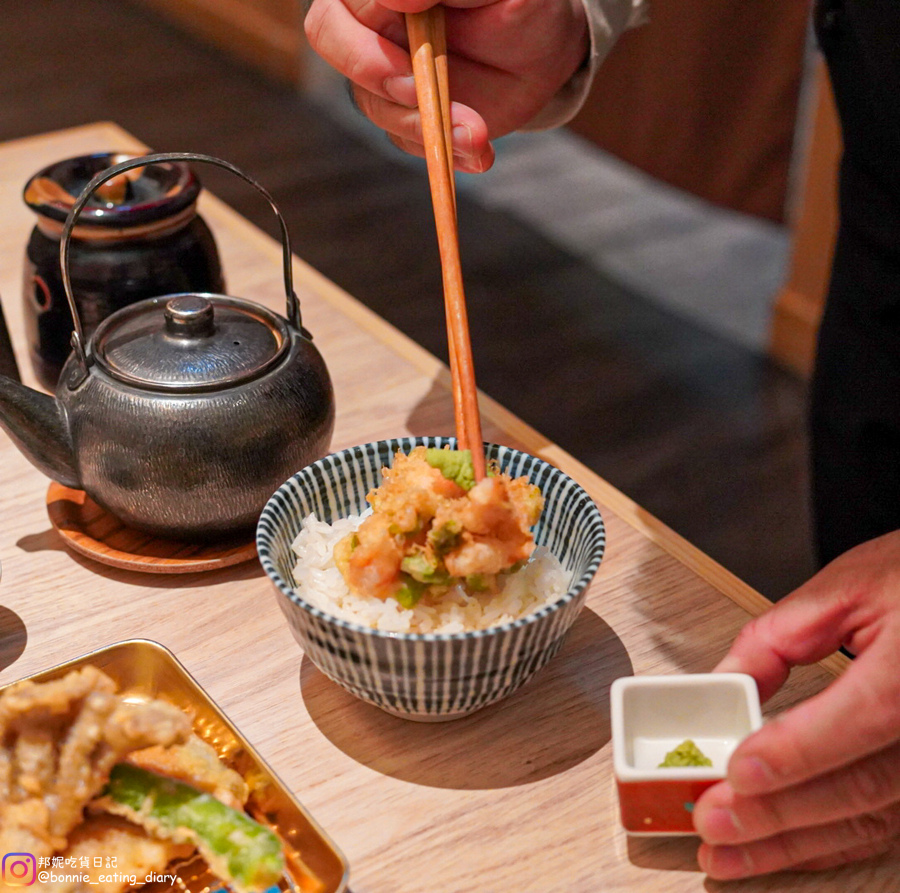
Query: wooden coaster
x,y
95,533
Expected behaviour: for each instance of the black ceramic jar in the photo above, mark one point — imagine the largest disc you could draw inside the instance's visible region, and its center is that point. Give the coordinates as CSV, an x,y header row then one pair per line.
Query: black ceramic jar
x,y
140,236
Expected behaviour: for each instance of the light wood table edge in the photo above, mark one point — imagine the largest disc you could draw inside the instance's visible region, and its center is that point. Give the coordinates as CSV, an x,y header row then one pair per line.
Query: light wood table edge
x,y
660,534
127,142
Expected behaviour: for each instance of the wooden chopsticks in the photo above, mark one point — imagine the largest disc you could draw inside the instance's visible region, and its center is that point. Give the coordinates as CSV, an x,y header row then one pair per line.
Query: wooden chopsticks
x,y
428,48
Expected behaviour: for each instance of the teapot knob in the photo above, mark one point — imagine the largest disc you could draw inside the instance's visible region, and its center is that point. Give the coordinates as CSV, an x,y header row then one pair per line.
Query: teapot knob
x,y
189,316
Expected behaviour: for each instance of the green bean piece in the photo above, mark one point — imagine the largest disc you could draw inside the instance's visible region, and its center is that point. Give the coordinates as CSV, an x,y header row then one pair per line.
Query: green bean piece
x,y
237,848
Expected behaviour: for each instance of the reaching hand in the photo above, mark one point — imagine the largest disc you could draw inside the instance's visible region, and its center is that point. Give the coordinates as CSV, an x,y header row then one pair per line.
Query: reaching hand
x,y
819,785
507,58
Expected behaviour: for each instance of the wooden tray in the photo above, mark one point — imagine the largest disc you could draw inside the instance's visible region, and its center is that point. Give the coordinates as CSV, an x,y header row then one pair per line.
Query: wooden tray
x,y
91,531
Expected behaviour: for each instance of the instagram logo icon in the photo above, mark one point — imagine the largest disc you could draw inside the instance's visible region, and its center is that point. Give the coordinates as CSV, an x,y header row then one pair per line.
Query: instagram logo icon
x,y
19,870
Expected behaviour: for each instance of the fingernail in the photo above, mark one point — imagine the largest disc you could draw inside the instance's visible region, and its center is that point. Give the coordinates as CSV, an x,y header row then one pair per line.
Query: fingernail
x,y
727,862
462,140
402,89
750,775
720,824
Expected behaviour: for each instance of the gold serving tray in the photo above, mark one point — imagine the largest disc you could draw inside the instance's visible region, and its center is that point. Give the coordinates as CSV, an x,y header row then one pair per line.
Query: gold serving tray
x,y
144,669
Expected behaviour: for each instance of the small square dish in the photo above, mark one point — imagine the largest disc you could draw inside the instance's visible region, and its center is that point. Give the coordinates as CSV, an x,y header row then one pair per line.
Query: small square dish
x,y
654,715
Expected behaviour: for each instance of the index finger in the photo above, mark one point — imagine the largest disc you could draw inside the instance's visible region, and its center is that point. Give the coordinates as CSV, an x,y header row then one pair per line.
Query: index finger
x,y
802,629
847,602
857,715
852,601
368,52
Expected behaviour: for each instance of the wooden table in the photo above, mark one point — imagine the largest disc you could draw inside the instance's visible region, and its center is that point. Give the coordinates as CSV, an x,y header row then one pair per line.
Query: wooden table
x,y
517,798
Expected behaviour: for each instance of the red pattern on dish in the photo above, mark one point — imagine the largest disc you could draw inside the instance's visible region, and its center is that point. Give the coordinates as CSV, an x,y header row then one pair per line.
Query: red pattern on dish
x,y
660,807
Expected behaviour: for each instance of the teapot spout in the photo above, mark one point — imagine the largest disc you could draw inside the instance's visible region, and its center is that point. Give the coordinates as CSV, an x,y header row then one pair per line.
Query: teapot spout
x,y
37,425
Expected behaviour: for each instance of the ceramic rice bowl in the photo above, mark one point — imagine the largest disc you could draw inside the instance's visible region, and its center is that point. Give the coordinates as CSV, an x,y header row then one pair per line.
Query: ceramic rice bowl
x,y
428,676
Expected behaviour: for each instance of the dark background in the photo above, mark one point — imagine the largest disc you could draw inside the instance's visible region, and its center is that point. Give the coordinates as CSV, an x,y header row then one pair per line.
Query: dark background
x,y
705,434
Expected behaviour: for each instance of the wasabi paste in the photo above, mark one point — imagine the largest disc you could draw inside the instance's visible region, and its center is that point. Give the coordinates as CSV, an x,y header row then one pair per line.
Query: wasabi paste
x,y
686,754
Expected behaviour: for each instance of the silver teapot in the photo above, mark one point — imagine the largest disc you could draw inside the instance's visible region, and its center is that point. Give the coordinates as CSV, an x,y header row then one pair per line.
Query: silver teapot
x,y
182,414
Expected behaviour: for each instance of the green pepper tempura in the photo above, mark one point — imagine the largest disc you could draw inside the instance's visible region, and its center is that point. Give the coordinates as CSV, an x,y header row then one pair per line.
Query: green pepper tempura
x,y
686,754
235,847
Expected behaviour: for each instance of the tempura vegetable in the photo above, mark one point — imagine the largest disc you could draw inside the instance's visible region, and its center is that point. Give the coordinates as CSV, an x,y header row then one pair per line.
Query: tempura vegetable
x,y
196,763
235,847
94,775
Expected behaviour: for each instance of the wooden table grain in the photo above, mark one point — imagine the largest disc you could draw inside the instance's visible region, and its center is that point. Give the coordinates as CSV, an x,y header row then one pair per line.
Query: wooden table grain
x,y
518,797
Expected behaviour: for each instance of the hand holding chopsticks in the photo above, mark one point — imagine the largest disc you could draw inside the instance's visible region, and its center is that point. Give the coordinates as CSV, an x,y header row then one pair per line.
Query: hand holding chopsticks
x,y
429,57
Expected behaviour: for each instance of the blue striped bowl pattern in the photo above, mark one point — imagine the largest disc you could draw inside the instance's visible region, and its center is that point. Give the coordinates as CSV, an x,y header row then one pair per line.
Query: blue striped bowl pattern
x,y
428,676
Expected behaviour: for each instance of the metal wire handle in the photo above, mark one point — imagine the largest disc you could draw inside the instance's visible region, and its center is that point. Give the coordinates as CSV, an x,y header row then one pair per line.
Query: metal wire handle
x,y
78,345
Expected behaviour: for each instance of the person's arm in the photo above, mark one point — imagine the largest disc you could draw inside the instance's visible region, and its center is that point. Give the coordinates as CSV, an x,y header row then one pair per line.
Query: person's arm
x,y
819,785
511,63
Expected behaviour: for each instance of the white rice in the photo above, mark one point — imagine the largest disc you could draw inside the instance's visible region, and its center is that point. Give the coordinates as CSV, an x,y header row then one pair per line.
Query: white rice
x,y
540,582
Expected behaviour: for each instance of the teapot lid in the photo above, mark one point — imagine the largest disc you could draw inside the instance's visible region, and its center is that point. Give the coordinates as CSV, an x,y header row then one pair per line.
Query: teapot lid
x,y
189,342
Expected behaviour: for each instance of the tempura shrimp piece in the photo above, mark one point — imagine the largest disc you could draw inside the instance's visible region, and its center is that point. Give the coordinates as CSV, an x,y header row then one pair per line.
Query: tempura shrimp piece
x,y
370,558
101,836
494,521
411,492
427,531
58,743
403,506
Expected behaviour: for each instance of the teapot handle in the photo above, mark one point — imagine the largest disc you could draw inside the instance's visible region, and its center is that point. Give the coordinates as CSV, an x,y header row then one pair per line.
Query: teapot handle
x,y
78,345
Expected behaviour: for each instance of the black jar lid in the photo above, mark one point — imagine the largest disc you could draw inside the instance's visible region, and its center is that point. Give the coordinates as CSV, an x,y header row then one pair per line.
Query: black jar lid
x,y
153,193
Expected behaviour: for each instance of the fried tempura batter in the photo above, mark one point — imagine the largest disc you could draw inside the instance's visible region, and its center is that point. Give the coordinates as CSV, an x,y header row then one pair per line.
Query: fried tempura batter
x,y
136,854
58,742
427,531
198,764
107,790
